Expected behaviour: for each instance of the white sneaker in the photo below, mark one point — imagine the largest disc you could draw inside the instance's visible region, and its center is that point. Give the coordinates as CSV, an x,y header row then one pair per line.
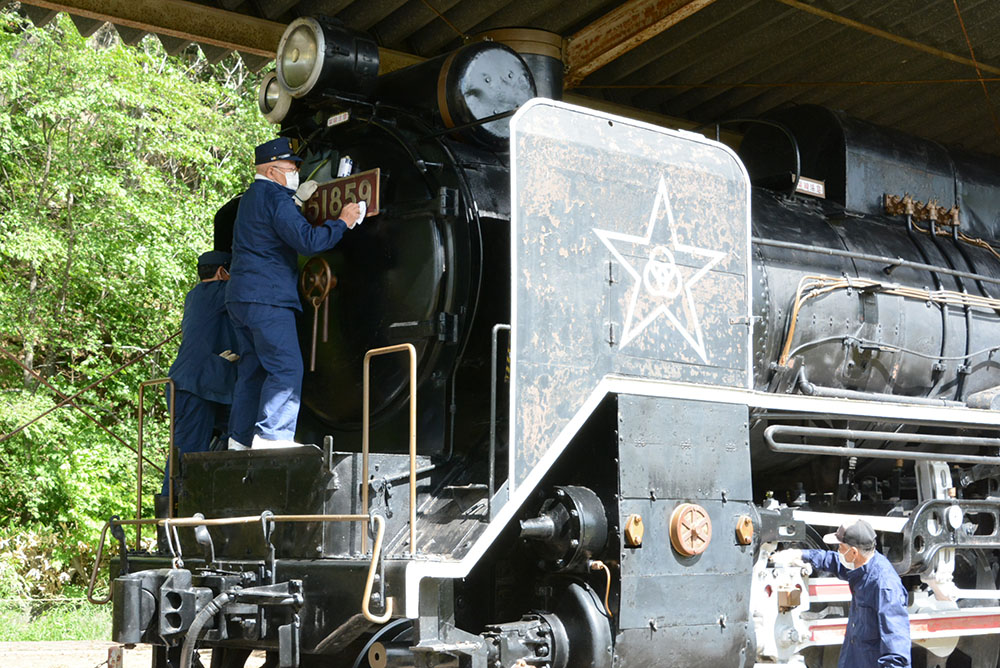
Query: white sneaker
x,y
260,443
236,445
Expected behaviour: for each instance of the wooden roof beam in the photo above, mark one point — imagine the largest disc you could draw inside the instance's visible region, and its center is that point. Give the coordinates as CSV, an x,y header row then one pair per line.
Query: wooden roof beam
x,y
183,20
191,22
621,30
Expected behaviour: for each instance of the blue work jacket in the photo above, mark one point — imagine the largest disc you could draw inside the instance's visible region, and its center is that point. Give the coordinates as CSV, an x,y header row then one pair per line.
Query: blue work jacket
x,y
206,332
878,626
269,235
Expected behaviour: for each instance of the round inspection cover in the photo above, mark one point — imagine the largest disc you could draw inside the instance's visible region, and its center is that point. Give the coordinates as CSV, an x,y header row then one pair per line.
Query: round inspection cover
x,y
690,529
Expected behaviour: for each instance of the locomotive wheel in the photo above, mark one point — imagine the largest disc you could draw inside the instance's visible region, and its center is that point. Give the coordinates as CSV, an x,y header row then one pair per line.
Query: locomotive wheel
x,y
397,630
976,569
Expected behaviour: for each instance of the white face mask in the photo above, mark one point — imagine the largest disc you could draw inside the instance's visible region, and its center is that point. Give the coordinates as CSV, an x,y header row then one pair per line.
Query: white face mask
x,y
847,564
292,180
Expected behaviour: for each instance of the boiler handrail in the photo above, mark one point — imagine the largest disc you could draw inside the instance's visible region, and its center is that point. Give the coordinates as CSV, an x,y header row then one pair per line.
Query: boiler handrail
x,y
772,432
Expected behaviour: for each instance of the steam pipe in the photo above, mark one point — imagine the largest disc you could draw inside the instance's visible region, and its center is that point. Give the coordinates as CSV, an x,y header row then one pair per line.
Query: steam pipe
x,y
837,393
874,453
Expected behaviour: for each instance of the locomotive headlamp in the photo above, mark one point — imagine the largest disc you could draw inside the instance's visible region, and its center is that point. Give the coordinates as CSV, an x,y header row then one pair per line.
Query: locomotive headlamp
x,y
298,56
274,101
315,54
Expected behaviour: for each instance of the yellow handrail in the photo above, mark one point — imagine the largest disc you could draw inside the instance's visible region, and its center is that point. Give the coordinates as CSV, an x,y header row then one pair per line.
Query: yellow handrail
x,y
171,456
367,597
375,352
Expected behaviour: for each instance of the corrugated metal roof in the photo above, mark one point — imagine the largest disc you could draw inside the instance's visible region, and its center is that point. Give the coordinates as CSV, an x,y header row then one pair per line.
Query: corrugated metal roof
x,y
732,58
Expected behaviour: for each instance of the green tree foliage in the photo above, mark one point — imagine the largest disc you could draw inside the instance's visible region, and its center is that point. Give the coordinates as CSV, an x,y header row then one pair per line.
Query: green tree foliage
x,y
113,161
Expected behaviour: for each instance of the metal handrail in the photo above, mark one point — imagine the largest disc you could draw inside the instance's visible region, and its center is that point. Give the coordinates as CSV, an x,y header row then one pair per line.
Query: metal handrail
x,y
370,581
772,432
376,352
171,455
169,523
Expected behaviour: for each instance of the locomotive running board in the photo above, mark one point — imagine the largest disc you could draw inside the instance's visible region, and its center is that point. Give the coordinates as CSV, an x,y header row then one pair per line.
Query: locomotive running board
x,y
815,406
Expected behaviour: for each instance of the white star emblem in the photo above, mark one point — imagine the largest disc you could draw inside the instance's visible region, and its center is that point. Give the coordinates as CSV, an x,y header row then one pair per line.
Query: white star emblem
x,y
662,278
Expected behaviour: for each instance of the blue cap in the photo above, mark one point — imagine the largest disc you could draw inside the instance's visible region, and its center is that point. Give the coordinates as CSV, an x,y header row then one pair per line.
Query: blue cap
x,y
215,258
276,149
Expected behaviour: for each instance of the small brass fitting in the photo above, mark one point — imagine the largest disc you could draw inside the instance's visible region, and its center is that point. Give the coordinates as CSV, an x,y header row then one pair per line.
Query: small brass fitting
x,y
634,530
744,530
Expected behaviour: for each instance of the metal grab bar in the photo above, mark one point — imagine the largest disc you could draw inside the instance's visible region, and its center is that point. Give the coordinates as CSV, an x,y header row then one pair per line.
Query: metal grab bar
x,y
169,523
492,488
875,453
171,455
365,419
97,565
367,596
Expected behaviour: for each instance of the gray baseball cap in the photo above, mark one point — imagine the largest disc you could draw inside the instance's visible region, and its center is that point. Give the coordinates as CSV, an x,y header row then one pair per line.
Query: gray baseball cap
x,y
859,535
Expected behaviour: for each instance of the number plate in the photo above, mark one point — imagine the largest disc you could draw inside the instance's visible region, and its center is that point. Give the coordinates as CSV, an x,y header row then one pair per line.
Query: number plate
x,y
330,197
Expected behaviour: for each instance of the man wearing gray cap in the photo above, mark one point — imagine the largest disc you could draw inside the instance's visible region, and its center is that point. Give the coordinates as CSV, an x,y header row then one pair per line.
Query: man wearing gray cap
x,y
878,626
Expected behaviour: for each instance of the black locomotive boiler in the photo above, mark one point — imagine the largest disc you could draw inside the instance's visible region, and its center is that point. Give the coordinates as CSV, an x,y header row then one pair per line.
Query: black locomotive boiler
x,y
580,376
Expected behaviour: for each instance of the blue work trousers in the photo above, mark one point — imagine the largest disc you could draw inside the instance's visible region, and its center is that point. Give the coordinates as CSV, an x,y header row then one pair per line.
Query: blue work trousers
x,y
268,374
195,421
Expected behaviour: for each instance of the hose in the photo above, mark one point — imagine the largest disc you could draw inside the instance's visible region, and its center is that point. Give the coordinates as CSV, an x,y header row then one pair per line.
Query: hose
x,y
600,565
194,632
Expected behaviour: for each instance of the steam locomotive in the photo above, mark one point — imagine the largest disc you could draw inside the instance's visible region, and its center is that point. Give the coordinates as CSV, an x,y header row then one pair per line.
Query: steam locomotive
x,y
576,377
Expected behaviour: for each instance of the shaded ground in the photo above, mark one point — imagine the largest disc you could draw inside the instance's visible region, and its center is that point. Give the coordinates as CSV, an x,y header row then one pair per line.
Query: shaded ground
x,y
83,654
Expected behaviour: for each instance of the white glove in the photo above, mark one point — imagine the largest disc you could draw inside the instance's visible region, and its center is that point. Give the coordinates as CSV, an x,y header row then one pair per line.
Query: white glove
x,y
351,214
304,192
229,356
788,558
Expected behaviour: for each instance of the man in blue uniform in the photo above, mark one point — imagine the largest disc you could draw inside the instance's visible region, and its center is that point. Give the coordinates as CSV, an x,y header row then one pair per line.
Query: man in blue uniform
x,y
269,235
204,372
878,626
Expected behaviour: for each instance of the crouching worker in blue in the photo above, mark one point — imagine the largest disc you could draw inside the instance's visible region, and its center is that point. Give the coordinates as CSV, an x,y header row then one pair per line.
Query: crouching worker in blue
x,y
263,300
878,626
204,372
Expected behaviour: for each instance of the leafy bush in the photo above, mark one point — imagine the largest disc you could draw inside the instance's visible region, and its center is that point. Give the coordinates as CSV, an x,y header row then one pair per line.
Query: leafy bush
x,y
113,161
